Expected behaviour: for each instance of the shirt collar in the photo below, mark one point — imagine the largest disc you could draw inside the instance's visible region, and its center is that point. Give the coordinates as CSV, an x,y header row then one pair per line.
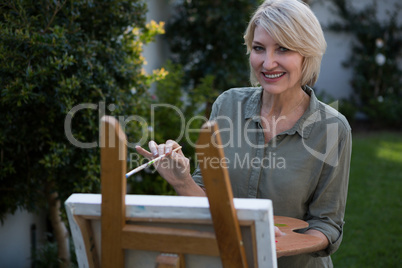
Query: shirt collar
x,y
303,126
253,105
306,123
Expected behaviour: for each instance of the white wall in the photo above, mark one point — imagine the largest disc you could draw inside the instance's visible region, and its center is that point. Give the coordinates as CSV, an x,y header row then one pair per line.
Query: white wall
x,y
334,78
156,53
15,239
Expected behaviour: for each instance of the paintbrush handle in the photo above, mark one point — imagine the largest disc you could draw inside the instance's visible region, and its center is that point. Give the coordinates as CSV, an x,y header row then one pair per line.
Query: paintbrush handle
x,y
137,169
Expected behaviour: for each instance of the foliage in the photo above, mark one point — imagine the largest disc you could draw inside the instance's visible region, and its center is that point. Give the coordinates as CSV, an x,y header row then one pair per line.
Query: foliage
x,y
374,58
372,231
206,38
46,255
344,105
174,113
54,56
208,57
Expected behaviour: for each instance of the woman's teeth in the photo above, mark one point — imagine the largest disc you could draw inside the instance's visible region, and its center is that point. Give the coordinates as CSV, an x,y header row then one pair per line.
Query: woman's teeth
x,y
273,75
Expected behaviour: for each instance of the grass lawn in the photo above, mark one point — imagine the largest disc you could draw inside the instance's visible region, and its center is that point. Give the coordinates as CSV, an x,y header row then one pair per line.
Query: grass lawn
x,y
373,229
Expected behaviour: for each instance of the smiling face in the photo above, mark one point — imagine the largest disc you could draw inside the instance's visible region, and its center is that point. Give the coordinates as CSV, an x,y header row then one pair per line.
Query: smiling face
x,y
277,69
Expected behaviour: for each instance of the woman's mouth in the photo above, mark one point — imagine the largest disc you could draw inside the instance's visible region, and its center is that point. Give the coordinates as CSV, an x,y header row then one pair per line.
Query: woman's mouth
x,y
273,76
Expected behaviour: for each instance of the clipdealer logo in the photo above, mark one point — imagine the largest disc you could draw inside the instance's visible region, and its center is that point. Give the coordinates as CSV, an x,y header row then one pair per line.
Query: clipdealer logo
x,y
330,155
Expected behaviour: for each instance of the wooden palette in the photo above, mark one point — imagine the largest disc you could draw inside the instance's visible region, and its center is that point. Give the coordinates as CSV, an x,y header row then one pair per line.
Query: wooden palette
x,y
294,243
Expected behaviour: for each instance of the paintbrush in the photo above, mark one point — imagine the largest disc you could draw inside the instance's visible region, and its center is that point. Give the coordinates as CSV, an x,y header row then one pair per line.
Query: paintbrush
x,y
149,163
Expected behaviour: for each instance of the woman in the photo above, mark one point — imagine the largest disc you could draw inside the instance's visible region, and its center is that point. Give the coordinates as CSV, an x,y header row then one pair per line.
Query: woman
x,y
280,142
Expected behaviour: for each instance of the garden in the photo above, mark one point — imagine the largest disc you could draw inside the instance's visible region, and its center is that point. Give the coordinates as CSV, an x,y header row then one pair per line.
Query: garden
x,y
373,217
55,55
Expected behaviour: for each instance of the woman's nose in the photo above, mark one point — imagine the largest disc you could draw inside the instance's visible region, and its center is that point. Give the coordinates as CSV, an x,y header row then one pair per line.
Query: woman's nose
x,y
270,61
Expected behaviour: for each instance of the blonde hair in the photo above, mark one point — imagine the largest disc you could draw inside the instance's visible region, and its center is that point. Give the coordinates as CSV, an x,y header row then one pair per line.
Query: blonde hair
x,y
293,25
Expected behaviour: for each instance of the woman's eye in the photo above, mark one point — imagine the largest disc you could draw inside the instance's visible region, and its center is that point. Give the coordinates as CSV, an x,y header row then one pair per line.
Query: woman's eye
x,y
283,49
258,48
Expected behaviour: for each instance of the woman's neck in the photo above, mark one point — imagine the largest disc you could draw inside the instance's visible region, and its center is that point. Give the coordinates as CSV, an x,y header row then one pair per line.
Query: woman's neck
x,y
284,104
280,112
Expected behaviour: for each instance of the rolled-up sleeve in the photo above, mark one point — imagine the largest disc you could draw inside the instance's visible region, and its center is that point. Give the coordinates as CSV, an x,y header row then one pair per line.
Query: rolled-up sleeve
x,y
197,177
327,208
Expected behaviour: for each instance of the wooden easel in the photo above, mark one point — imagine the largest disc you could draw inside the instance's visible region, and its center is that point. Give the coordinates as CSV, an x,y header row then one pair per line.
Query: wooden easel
x,y
219,192
104,226
117,234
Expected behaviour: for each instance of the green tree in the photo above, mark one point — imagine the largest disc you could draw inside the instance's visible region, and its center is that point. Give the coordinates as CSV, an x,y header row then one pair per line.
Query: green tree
x,y
177,115
208,57
206,38
55,55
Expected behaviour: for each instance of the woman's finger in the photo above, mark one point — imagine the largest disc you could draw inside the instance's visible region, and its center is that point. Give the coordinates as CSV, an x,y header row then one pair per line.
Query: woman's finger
x,y
153,147
171,145
161,149
143,152
278,232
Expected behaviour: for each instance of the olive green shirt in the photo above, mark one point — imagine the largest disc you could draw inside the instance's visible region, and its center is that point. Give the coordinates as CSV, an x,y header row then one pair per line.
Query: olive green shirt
x,y
304,170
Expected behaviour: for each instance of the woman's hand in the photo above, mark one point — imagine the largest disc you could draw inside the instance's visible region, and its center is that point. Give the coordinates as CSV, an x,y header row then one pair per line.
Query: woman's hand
x,y
174,168
324,240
